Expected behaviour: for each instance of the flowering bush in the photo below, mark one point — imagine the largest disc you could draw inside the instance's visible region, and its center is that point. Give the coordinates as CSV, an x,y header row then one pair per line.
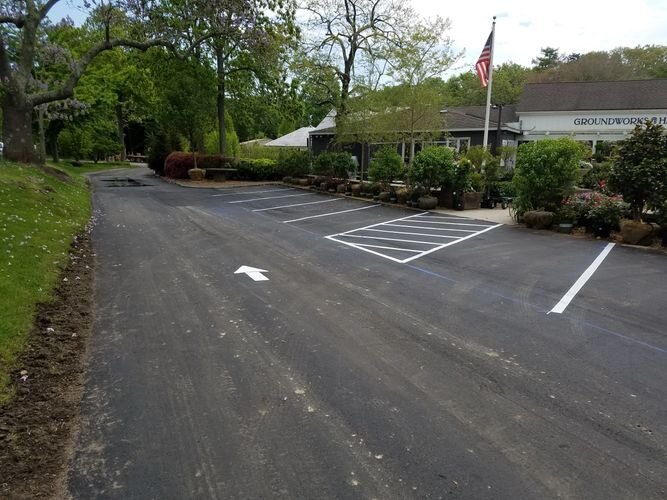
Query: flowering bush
x,y
594,209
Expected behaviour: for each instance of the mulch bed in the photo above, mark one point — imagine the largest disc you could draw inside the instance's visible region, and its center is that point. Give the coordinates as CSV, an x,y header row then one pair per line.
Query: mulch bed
x,y
36,426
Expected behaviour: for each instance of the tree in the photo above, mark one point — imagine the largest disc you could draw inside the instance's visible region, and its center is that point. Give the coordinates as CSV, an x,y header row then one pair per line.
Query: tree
x,y
345,31
639,171
187,100
545,173
22,26
247,40
508,81
548,58
433,166
387,166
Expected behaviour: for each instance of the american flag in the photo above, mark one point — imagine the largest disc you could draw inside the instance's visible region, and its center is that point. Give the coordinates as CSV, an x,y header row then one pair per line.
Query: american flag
x,y
482,65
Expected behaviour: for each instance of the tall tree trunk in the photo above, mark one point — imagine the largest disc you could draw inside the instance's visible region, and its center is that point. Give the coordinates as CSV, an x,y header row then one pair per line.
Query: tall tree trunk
x,y
121,131
17,127
222,132
42,136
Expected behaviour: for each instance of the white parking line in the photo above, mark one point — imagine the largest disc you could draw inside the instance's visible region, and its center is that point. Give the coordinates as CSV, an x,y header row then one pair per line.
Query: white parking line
x,y
330,213
271,198
296,205
578,285
238,193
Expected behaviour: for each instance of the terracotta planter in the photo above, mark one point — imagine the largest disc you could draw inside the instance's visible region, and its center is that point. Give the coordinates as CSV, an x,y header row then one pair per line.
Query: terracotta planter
x,y
427,202
472,201
197,174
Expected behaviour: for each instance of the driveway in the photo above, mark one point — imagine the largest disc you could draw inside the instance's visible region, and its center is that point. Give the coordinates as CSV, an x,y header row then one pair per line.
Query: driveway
x,y
372,352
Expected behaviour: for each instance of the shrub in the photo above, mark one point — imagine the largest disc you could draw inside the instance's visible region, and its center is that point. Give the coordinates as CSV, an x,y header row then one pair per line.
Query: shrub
x,y
75,142
505,189
597,176
258,169
433,167
295,162
545,173
386,166
333,164
593,209
177,164
640,169
605,211
258,151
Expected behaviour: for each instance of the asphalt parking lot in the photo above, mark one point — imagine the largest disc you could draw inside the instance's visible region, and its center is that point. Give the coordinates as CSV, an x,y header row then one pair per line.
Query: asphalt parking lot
x,y
373,352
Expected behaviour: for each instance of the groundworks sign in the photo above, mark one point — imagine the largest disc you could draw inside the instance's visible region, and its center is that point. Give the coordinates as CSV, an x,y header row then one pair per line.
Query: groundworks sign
x,y
620,120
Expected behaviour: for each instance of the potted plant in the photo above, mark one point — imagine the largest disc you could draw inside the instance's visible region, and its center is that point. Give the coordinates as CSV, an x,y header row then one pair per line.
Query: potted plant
x,y
433,166
386,166
567,216
604,214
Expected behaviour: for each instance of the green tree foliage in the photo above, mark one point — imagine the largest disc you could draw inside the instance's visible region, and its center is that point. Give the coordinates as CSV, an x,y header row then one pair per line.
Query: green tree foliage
x,y
386,166
333,164
639,171
508,81
433,167
545,173
548,58
187,98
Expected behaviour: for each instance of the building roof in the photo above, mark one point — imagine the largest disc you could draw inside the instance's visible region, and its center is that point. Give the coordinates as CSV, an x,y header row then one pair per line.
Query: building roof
x,y
473,117
295,139
259,142
588,96
455,118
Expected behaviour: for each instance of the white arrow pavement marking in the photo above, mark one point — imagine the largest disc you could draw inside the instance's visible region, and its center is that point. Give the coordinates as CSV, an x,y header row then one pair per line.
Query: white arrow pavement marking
x,y
253,272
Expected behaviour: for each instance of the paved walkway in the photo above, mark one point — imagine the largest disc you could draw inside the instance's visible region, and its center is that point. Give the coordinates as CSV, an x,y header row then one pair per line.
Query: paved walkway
x,y
497,215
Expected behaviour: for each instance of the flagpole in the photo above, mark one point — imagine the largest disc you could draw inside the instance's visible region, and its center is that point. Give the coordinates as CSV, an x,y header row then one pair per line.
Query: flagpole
x,y
488,88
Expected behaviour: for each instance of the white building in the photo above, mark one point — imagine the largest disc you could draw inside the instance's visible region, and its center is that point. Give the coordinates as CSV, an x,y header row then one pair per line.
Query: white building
x,y
590,111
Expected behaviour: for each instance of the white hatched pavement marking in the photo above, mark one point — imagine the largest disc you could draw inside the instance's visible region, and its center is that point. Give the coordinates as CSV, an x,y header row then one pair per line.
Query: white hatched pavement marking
x,y
386,228
434,228
296,205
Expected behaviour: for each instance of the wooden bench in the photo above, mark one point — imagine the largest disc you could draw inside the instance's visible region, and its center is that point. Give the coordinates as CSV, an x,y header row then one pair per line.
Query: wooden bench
x,y
220,174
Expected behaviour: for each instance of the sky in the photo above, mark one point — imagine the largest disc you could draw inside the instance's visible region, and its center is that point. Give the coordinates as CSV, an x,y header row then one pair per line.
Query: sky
x,y
525,26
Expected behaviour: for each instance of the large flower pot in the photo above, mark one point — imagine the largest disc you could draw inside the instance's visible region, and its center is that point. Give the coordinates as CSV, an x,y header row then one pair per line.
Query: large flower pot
x,y
427,202
472,201
601,231
636,233
565,227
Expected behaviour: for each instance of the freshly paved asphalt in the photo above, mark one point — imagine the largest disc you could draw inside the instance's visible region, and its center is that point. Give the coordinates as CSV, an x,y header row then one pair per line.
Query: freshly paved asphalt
x,y
348,375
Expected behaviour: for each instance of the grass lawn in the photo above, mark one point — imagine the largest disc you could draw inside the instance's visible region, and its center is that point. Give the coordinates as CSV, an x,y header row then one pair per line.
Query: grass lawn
x,y
40,214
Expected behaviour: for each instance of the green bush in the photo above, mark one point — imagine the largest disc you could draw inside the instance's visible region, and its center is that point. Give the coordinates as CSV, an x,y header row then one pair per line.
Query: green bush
x,y
160,145
433,167
75,143
295,162
333,164
545,174
258,169
640,169
386,166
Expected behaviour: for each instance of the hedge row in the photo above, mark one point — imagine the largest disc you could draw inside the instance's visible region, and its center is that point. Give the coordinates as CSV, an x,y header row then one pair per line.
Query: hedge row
x,y
293,163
